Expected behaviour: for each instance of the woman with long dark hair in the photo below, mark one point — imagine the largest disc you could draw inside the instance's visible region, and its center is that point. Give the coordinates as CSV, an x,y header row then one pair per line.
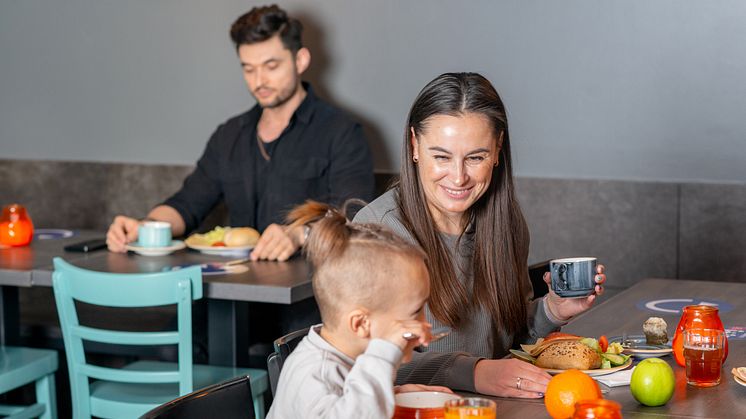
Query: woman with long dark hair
x,y
456,199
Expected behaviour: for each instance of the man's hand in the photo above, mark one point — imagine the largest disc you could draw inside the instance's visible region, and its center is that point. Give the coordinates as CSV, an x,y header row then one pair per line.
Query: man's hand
x,y
122,230
277,243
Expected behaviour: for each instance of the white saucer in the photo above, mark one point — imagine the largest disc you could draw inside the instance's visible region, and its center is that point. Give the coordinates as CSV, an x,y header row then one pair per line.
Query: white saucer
x,y
157,251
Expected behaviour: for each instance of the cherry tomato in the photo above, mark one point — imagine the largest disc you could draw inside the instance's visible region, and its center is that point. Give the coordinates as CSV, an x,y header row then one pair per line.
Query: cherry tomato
x,y
603,343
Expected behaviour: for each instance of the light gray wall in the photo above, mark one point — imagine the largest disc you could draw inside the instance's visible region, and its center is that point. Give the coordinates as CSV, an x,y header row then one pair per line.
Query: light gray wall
x,y
627,89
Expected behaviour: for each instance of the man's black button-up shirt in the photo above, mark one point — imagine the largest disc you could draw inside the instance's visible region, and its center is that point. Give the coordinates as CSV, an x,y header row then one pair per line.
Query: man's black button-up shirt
x,y
322,155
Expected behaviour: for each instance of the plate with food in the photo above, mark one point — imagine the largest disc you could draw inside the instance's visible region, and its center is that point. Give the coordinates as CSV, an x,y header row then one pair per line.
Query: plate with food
x,y
224,241
559,352
654,342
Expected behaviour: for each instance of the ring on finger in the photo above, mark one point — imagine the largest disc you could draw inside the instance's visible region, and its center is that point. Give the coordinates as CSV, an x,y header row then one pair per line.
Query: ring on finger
x,y
518,382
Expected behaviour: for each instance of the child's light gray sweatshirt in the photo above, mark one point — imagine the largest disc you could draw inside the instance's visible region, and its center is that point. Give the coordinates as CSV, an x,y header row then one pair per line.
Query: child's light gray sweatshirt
x,y
319,381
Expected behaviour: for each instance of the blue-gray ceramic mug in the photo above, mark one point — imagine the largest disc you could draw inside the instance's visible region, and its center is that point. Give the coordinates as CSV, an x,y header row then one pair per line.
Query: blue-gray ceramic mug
x,y
154,234
573,277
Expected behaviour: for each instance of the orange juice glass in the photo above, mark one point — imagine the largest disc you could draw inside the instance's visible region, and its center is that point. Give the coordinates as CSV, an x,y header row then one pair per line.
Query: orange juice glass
x,y
470,408
703,352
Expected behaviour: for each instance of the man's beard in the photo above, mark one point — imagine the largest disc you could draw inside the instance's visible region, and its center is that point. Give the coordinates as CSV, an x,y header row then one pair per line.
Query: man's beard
x,y
282,97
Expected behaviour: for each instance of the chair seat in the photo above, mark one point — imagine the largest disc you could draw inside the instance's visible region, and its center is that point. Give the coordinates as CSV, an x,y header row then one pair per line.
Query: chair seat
x,y
133,400
20,366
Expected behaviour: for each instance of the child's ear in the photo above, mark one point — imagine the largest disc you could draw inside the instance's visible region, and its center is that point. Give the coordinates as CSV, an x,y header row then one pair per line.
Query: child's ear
x,y
359,323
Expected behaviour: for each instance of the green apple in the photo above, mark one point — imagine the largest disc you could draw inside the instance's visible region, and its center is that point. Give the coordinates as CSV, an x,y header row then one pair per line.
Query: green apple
x,y
652,382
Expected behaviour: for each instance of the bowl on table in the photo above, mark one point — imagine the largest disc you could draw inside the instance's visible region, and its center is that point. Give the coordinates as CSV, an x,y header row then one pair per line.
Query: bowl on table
x,y
422,404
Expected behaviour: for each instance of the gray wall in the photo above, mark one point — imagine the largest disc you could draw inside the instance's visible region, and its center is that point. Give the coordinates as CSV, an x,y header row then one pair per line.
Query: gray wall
x,y
634,89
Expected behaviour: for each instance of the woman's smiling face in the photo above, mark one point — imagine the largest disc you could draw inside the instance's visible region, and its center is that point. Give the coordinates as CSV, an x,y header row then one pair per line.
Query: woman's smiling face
x,y
455,157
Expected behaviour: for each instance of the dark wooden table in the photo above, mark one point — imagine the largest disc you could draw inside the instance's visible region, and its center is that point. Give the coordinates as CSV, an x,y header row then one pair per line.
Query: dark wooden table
x,y
626,312
266,282
16,267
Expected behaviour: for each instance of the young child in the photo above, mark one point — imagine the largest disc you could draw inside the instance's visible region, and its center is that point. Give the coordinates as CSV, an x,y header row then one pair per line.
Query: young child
x,y
371,287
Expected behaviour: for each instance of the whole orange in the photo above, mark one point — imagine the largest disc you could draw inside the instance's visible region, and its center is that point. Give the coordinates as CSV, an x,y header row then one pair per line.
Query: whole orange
x,y
567,388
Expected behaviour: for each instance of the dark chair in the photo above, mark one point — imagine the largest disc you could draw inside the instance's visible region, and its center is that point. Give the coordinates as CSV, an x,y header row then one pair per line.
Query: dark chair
x,y
536,273
228,400
283,347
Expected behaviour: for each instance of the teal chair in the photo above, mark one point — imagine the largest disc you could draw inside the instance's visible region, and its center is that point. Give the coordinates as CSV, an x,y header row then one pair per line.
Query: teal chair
x,y
132,391
21,366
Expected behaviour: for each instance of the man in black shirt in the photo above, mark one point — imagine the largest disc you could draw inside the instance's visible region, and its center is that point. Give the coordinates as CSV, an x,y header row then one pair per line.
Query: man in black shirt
x,y
290,147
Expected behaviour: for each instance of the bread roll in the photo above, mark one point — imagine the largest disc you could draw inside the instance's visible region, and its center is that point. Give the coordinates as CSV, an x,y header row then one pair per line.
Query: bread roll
x,y
241,236
569,354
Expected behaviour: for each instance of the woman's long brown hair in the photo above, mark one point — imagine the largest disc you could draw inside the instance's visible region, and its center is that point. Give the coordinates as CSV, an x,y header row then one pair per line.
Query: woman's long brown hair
x,y
500,232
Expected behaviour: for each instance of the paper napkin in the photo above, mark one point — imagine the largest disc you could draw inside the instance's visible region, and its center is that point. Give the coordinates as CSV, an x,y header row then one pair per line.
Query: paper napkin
x,y
619,378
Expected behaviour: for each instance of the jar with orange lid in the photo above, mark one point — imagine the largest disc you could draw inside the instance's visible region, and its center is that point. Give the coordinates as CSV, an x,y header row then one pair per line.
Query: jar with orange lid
x,y
597,409
16,228
696,317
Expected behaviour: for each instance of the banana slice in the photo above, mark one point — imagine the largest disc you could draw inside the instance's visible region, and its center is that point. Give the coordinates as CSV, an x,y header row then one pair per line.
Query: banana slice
x,y
740,372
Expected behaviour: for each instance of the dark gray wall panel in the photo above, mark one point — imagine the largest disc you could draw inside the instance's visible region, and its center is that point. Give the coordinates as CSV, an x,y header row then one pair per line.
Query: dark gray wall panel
x,y
635,228
713,232
629,226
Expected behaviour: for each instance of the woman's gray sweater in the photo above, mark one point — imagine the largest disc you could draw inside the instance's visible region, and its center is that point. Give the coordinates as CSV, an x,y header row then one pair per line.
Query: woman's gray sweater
x,y
450,361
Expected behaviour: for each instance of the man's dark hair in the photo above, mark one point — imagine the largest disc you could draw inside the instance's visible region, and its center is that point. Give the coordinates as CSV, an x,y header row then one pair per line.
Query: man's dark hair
x,y
262,23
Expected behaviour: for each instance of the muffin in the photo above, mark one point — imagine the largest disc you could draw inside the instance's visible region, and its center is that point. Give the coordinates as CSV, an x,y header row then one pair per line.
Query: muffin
x,y
655,331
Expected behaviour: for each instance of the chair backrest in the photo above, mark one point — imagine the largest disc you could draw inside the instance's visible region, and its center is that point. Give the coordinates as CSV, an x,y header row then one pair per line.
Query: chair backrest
x,y
72,284
227,400
283,347
536,274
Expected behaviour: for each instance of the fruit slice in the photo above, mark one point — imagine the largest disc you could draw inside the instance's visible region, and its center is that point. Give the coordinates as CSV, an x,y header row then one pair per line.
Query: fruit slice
x,y
740,372
616,360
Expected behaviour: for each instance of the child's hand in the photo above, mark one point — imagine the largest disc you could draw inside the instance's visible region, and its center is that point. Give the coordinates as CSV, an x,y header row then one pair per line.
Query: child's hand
x,y
409,388
408,334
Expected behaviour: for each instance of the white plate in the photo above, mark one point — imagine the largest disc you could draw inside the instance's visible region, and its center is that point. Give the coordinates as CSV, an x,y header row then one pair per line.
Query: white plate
x,y
642,349
216,268
52,233
222,250
739,381
157,251
596,372
523,356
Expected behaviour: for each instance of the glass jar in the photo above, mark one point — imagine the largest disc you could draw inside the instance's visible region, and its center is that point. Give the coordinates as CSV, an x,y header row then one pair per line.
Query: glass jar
x,y
16,228
696,317
597,409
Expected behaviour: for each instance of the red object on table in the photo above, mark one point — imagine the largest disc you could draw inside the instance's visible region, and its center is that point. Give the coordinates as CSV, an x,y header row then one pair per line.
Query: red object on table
x,y
597,409
696,317
16,228
603,342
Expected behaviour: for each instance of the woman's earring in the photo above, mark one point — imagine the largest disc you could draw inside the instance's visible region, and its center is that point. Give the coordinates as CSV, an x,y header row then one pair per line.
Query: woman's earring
x,y
415,159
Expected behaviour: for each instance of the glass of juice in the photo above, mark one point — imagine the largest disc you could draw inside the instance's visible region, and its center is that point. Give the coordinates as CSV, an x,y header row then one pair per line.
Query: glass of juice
x,y
471,408
703,353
